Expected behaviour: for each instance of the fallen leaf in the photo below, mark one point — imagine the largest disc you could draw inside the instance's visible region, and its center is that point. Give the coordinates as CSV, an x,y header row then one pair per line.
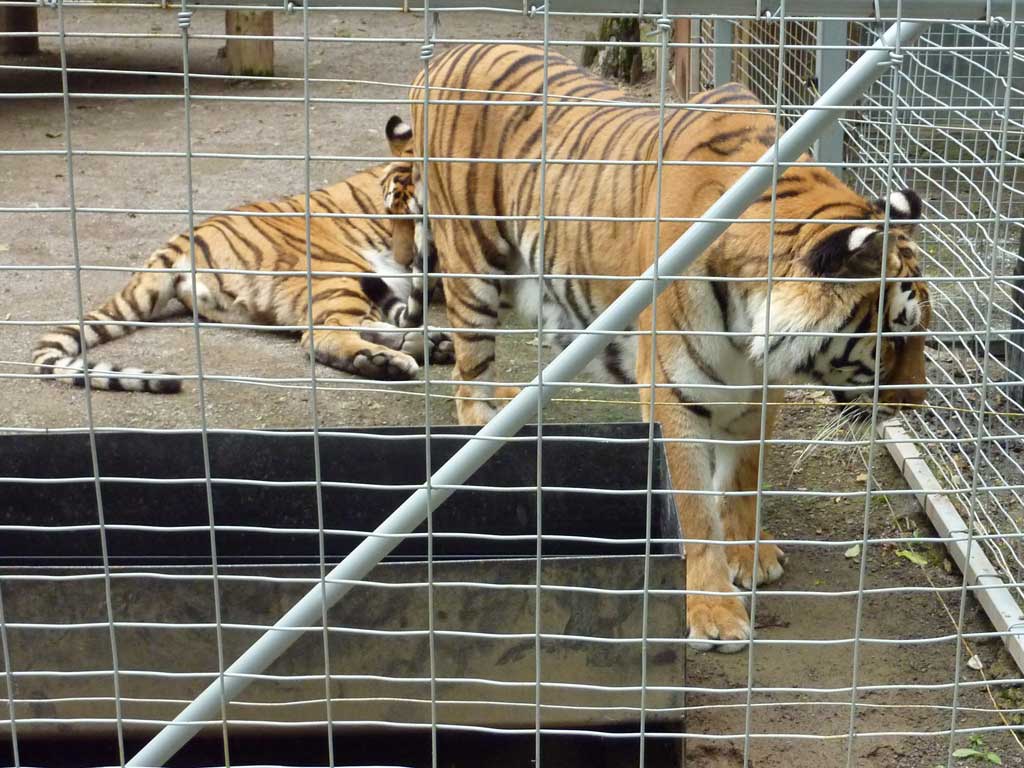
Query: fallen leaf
x,y
862,477
947,565
915,557
975,663
852,552
4,247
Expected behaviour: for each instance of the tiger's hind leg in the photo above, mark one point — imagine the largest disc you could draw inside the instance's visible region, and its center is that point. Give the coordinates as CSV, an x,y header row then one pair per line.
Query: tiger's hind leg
x,y
205,293
472,304
473,310
736,470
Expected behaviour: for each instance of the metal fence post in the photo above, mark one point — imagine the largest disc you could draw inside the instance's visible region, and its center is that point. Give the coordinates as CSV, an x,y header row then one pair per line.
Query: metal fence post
x,y
693,56
723,56
829,67
1015,340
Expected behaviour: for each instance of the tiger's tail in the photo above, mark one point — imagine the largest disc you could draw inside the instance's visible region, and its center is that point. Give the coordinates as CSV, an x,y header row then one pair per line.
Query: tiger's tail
x,y
60,353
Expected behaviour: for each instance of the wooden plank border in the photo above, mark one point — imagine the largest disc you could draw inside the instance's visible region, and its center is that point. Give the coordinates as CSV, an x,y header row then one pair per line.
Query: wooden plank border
x,y
993,594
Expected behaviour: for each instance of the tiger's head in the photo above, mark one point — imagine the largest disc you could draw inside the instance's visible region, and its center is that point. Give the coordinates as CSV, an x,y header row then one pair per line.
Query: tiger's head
x,y
400,187
399,190
846,364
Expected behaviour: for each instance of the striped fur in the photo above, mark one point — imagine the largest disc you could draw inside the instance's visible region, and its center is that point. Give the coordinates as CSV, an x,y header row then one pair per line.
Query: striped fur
x,y
401,197
696,375
374,347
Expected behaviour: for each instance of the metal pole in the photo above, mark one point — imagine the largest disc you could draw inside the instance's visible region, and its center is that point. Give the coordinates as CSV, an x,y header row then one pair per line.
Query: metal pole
x,y
1015,339
829,65
723,56
523,407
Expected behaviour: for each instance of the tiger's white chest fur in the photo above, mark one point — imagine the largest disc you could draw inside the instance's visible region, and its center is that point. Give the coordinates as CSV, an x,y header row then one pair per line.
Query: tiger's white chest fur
x,y
383,263
713,364
529,300
716,370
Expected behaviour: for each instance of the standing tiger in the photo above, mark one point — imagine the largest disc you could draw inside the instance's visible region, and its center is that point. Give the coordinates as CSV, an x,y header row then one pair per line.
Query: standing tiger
x,y
708,387
370,346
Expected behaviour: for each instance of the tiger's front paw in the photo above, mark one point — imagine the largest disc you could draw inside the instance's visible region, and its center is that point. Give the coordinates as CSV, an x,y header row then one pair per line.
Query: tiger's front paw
x,y
373,363
438,345
442,350
746,572
717,622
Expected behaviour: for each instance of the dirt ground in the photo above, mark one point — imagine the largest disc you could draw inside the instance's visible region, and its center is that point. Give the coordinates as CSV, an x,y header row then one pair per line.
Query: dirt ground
x,y
137,118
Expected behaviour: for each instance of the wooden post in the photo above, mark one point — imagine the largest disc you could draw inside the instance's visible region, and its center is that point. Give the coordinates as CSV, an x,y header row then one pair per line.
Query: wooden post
x,y
681,62
19,18
249,57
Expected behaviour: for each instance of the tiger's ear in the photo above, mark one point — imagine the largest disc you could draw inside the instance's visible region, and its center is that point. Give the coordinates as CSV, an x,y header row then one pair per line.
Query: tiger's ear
x,y
904,206
848,252
399,135
857,251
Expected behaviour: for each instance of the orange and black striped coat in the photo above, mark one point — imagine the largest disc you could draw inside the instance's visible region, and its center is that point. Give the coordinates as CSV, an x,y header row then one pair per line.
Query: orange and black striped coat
x,y
355,320
716,336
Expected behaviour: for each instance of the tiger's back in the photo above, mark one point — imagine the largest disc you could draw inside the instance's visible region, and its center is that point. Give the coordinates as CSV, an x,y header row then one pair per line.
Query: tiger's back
x,y
508,126
600,179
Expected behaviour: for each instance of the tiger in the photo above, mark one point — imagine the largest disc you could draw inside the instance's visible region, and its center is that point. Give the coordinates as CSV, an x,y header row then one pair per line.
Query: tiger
x,y
372,307
717,338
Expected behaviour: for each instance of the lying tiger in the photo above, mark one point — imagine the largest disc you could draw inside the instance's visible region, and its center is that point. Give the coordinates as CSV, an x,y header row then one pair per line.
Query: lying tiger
x,y
695,374
373,308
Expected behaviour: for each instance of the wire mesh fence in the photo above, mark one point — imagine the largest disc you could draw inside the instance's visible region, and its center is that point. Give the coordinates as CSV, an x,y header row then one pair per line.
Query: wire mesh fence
x,y
968,156
540,613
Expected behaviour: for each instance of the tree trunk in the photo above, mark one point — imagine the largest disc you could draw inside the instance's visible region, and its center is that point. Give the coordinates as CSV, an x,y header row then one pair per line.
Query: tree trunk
x,y
616,62
681,59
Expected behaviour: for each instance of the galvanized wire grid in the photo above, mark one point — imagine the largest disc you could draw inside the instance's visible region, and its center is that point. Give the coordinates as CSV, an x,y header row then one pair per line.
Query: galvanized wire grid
x,y
947,120
972,251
